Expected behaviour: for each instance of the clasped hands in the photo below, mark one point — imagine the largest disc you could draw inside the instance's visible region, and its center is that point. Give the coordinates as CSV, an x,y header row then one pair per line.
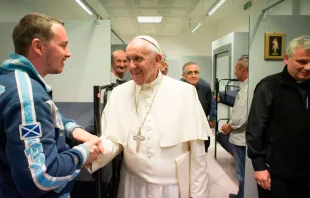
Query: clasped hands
x,y
226,129
92,142
95,147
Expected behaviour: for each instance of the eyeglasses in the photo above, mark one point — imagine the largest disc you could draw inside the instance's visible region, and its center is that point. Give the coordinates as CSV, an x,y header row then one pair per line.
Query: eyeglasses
x,y
192,72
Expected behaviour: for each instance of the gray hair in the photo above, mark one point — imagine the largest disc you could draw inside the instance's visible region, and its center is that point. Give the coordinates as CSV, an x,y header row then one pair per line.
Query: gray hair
x,y
245,61
187,64
299,42
164,56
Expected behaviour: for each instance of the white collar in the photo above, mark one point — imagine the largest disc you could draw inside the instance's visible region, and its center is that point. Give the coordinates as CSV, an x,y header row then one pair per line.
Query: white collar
x,y
153,85
243,84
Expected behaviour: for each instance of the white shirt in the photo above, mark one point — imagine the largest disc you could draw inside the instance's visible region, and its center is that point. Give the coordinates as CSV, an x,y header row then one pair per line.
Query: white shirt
x,y
238,118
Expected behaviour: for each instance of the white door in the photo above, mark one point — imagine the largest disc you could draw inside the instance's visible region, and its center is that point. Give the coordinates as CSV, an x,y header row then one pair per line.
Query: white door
x,y
222,72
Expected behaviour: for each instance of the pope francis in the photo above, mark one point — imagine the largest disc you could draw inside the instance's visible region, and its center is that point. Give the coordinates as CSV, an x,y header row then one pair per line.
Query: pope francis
x,y
159,124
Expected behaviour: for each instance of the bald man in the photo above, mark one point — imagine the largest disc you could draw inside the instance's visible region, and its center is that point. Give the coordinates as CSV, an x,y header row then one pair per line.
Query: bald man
x,y
161,136
119,65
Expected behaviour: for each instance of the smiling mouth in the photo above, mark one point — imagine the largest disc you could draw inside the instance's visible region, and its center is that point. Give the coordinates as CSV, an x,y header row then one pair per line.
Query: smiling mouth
x,y
136,73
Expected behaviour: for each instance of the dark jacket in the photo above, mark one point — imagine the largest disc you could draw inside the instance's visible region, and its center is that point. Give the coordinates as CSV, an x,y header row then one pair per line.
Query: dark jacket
x,y
206,98
278,130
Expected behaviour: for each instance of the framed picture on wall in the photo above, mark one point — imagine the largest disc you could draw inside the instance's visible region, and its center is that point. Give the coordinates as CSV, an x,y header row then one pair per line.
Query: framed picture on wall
x,y
274,46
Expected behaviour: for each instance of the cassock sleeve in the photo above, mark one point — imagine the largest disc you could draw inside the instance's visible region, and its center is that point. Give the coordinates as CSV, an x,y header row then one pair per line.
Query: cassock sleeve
x,y
111,149
198,170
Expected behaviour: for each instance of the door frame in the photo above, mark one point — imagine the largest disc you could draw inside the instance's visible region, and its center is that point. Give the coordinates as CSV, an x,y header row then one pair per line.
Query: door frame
x,y
216,52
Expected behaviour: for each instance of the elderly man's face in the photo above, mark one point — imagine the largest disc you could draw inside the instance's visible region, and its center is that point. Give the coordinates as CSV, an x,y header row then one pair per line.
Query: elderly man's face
x,y
164,68
191,74
299,64
142,62
239,70
120,62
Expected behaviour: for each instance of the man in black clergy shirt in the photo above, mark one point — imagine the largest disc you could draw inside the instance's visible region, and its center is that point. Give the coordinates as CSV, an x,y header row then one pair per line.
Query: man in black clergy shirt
x,y
278,130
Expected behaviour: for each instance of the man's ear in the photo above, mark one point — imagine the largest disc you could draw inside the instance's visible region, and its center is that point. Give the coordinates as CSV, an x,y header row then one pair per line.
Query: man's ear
x,y
242,68
36,46
285,60
158,58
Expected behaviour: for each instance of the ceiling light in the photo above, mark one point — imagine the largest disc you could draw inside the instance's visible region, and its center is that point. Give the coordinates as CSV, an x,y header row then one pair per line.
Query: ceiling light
x,y
149,19
216,7
199,24
84,7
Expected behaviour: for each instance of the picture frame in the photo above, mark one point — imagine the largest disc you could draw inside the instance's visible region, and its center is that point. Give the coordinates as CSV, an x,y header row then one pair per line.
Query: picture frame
x,y
274,46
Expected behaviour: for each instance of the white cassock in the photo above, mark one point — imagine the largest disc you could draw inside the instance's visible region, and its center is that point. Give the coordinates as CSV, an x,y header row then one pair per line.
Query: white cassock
x,y
171,161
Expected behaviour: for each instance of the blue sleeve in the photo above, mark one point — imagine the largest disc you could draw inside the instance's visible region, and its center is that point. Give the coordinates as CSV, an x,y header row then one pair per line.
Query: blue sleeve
x,y
37,166
69,125
212,115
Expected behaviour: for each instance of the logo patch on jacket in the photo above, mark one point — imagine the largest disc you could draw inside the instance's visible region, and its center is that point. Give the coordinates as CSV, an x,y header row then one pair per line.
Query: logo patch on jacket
x,y
2,89
30,131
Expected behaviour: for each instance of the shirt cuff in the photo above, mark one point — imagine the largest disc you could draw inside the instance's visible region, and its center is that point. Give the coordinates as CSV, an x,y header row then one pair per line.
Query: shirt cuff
x,y
212,118
259,164
84,151
69,127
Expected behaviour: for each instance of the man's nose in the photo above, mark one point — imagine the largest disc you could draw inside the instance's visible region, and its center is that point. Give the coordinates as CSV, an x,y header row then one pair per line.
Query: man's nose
x,y
132,65
122,64
68,53
307,67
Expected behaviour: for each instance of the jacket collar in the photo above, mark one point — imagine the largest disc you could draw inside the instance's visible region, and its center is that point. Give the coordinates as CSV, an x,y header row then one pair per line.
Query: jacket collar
x,y
20,62
288,79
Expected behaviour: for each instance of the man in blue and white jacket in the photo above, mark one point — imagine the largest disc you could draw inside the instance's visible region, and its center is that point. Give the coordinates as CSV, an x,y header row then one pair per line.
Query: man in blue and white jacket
x,y
35,160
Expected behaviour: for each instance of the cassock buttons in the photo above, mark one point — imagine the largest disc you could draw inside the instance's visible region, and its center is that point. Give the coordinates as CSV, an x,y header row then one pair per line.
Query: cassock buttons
x,y
150,154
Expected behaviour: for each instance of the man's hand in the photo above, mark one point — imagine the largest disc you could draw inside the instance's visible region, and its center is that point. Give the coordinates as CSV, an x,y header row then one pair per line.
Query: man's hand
x,y
93,155
211,124
93,150
83,136
226,128
263,179
100,145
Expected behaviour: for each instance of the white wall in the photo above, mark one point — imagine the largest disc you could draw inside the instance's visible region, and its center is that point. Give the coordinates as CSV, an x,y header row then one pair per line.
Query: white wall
x,y
6,40
239,20
290,7
239,46
90,64
304,7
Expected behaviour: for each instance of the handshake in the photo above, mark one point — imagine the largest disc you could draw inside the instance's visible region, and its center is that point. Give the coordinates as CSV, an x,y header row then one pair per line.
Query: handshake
x,y
92,142
95,147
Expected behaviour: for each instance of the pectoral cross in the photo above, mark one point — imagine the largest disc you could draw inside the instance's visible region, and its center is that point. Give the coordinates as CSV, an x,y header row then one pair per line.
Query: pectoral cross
x,y
138,138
